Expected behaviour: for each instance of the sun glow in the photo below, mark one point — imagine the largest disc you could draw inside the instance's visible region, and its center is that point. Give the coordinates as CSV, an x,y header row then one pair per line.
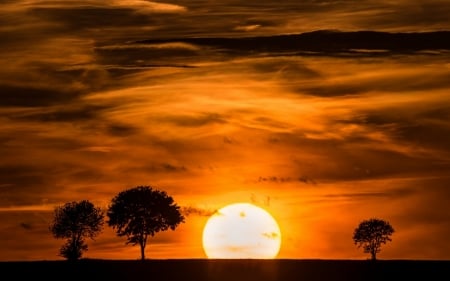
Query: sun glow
x,y
241,230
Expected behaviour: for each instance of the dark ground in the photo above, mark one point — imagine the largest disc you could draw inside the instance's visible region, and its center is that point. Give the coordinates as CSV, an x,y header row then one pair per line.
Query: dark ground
x,y
227,270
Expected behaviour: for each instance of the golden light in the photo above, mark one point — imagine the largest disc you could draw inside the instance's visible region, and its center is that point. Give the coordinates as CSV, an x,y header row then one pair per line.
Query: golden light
x,y
240,231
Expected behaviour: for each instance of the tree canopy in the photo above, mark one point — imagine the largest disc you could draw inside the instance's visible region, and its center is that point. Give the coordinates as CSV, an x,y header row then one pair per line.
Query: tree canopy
x,y
142,211
76,221
371,234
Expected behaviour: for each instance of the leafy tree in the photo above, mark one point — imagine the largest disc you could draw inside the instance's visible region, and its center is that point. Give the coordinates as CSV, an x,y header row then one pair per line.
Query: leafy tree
x,y
142,211
371,233
76,221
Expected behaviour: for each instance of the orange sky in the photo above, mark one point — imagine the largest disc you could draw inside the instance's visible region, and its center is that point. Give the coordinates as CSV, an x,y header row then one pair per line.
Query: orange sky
x,y
320,142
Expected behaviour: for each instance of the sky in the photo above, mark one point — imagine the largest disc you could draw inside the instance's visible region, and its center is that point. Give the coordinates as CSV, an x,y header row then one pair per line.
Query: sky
x,y
321,142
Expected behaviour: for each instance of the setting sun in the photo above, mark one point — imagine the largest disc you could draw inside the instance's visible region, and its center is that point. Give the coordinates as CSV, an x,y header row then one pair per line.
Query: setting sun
x,y
241,230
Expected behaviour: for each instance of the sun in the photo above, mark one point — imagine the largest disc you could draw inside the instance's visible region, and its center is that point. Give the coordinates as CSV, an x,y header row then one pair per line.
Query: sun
x,y
241,231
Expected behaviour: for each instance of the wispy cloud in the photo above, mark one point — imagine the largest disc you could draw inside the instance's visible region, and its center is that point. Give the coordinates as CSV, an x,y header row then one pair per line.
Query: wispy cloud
x,y
192,210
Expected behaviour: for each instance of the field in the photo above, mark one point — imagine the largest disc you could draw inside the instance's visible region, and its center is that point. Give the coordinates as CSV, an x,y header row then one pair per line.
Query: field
x,y
227,270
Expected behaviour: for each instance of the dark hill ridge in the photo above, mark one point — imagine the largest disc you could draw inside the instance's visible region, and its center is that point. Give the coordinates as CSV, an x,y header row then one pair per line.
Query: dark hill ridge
x,y
227,270
324,41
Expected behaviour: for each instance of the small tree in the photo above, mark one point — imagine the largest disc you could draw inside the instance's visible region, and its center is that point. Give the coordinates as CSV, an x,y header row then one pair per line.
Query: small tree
x,y
142,211
76,221
371,233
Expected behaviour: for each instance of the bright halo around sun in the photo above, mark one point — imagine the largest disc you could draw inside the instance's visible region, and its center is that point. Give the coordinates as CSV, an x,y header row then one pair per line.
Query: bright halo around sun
x,y
241,231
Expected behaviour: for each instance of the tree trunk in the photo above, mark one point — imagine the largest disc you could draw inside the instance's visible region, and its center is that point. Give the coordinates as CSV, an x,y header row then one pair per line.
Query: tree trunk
x,y
142,251
374,255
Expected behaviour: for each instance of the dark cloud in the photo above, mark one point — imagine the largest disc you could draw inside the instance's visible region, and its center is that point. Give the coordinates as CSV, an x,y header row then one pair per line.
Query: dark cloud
x,y
26,226
377,163
19,182
169,168
429,190
192,210
84,18
90,174
122,22
222,17
415,82
43,84
31,96
275,179
352,158
23,184
178,146
143,169
149,55
285,69
266,121
394,193
61,114
426,128
20,175
122,130
409,16
426,134
195,121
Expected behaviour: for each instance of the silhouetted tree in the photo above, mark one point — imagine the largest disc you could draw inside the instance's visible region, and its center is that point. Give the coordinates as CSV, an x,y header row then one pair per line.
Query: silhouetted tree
x,y
142,211
371,233
76,221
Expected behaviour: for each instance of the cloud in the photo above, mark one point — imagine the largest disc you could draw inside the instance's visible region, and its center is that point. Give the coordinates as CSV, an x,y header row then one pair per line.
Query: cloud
x,y
26,226
31,96
401,81
194,121
247,27
143,6
179,46
169,168
192,210
140,5
235,17
58,113
18,180
407,16
276,179
121,130
394,193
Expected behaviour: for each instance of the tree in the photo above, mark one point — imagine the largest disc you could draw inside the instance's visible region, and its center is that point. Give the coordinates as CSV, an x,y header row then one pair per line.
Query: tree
x,y
76,221
371,233
142,211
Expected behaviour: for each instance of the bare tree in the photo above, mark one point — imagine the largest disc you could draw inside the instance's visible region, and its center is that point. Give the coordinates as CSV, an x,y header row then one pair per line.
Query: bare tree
x,y
76,221
142,211
371,234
